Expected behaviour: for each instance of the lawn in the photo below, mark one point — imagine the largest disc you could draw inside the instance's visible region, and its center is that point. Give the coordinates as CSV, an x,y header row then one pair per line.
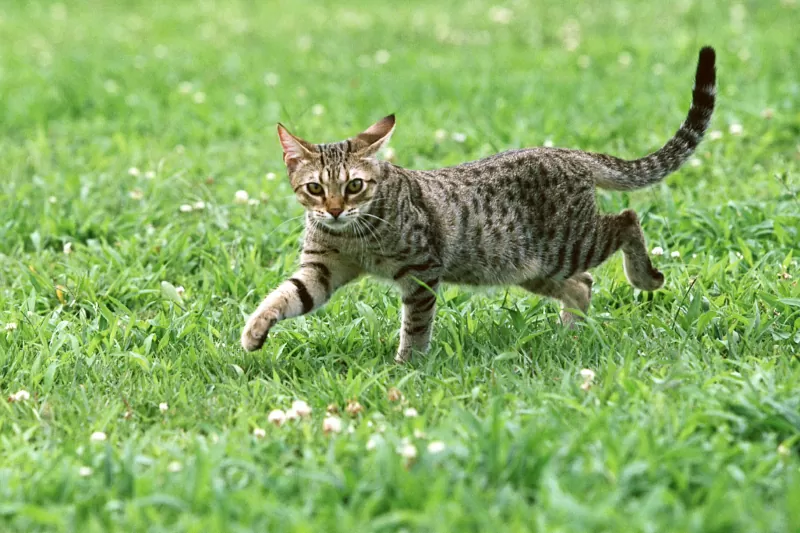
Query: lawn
x,y
129,262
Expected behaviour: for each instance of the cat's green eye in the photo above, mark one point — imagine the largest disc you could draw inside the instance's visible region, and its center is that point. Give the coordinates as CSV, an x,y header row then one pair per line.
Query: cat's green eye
x,y
355,186
314,188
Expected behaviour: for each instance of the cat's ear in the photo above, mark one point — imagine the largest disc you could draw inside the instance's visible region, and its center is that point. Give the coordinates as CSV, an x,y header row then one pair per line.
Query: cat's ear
x,y
295,149
375,137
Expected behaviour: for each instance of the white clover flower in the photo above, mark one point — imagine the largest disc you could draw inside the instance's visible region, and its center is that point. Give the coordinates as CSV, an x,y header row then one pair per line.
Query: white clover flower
x,y
389,154
783,450
548,143
174,466
440,135
85,471
410,413
695,162
199,205
20,396
301,408
407,450
133,171
459,137
241,197
136,194
277,417
500,14
180,290
436,446
111,87
657,251
185,208
259,433
625,59
270,176
587,373
714,135
291,414
317,109
163,407
736,129
67,248
332,424
150,174
52,199
10,326
373,442
271,79
97,436
676,254
253,201
382,57
199,97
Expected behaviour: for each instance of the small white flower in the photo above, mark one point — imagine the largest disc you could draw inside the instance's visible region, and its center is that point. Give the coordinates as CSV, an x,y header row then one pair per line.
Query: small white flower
x,y
625,59
174,466
676,254
241,197
373,442
419,434
136,194
459,137
291,414
163,407
736,129
85,471
301,408
150,174
111,87
97,436
410,413
271,176
52,199
768,113
715,135
277,417
407,450
317,109
199,97
436,446
21,396
133,171
10,326
199,205
382,57
259,433
271,79
548,143
253,201
180,290
332,424
67,248
185,208
587,373
240,99
440,135
657,251
500,15
783,450
695,162
389,154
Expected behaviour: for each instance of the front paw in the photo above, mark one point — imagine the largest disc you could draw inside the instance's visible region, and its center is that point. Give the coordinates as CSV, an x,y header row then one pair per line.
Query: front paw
x,y
256,330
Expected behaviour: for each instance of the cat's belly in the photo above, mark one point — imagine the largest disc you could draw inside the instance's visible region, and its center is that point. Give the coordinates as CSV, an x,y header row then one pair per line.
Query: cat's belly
x,y
493,273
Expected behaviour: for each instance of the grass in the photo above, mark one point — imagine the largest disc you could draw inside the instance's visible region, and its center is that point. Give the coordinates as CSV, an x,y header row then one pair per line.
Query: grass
x,y
692,422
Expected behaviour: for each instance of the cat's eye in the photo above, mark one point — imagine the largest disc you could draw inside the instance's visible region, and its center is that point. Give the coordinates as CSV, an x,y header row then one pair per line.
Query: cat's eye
x,y
355,186
314,188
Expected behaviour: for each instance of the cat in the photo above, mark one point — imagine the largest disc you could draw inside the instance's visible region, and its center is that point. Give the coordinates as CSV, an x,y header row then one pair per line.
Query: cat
x,y
522,217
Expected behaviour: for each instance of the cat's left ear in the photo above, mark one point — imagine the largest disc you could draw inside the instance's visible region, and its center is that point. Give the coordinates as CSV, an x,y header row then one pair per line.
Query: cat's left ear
x,y
375,137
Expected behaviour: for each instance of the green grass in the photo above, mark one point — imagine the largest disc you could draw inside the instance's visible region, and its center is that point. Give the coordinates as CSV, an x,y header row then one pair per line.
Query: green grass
x,y
693,420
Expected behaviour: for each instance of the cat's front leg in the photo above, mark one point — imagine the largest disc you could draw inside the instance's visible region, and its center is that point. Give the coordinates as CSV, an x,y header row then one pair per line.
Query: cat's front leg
x,y
419,309
307,289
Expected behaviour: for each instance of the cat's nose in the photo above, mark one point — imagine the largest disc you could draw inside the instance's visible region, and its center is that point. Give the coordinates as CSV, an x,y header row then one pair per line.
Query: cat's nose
x,y
335,211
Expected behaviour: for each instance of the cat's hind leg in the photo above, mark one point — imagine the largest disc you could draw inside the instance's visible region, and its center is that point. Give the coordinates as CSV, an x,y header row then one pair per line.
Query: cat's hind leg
x,y
574,293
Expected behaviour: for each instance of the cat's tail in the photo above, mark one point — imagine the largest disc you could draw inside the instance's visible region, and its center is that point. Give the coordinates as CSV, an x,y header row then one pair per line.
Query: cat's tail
x,y
627,175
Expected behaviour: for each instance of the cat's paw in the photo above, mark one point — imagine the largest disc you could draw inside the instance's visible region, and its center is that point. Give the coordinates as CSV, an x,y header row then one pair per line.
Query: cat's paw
x,y
403,356
255,331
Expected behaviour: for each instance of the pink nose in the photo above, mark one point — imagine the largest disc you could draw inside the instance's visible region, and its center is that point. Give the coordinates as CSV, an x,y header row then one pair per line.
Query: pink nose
x,y
335,211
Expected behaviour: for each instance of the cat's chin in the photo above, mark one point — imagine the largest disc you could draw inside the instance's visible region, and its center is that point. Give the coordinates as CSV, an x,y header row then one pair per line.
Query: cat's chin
x,y
336,225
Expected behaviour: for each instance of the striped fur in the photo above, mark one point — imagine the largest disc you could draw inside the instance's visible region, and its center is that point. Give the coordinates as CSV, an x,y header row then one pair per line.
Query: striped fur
x,y
523,217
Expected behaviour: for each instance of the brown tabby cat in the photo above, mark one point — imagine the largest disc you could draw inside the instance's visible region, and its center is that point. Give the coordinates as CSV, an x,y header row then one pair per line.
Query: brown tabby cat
x,y
524,217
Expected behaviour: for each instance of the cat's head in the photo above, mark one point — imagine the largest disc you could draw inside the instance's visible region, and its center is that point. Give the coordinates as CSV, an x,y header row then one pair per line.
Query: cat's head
x,y
336,182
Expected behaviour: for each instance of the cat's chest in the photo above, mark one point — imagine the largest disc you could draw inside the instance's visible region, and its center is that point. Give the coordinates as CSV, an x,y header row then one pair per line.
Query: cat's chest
x,y
382,265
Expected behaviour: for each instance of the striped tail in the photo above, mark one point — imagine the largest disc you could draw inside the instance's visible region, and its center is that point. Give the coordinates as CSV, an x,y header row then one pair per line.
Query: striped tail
x,y
627,175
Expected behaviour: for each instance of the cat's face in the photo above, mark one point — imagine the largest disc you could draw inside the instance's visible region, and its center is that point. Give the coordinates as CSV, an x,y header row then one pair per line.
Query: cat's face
x,y
336,182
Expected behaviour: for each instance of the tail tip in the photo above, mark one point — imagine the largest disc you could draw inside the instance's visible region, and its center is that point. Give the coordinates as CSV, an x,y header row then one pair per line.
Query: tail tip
x,y
706,68
707,55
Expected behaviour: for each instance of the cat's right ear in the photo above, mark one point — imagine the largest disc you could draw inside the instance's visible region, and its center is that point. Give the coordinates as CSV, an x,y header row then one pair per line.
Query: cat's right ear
x,y
375,137
295,150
